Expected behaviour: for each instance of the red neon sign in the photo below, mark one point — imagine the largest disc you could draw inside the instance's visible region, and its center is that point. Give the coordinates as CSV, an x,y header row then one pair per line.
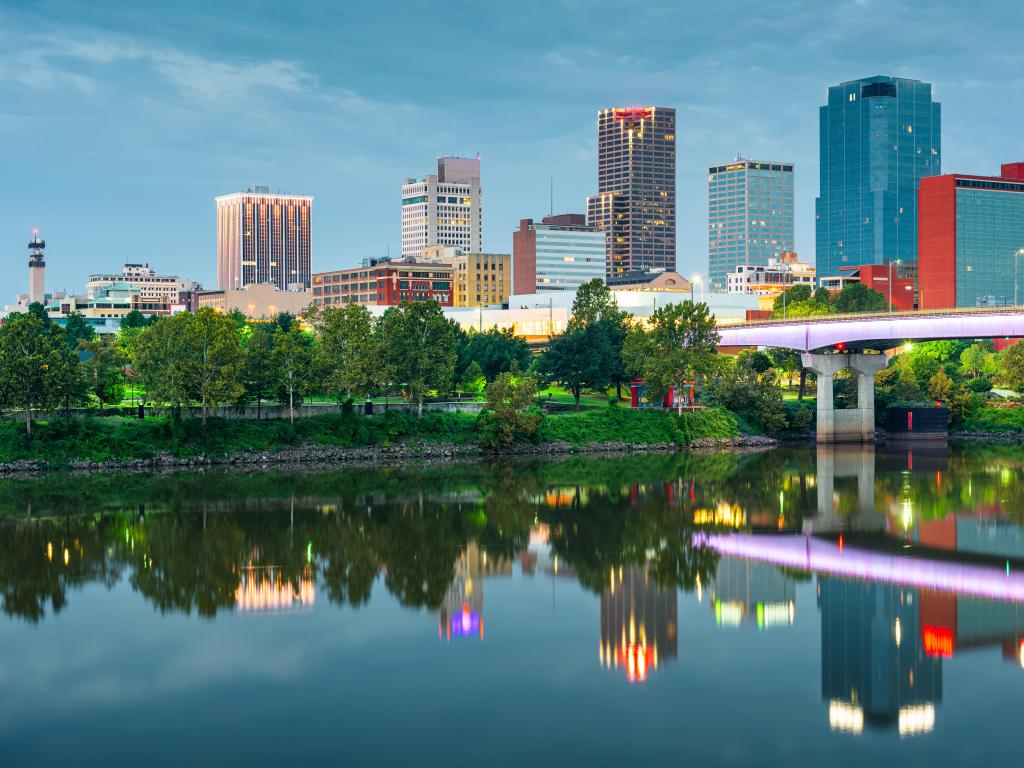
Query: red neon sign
x,y
633,114
938,641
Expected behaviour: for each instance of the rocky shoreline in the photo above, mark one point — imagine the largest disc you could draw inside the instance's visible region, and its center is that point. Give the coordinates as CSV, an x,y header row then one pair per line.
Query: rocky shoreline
x,y
328,454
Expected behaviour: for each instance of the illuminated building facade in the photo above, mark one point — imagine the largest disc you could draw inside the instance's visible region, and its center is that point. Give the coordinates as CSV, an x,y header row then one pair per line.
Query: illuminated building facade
x,y
481,279
263,238
462,609
256,301
561,253
745,591
444,208
639,623
750,216
879,137
635,204
771,278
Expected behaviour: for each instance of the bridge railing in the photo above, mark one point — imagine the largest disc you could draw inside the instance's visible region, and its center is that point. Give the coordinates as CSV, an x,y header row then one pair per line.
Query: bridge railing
x,y
853,316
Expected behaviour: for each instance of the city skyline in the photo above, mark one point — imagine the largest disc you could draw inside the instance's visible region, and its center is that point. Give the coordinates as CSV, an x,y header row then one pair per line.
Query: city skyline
x,y
530,114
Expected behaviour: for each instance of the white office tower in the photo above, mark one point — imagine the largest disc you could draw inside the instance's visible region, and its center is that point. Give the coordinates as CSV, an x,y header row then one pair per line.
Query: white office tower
x,y
444,208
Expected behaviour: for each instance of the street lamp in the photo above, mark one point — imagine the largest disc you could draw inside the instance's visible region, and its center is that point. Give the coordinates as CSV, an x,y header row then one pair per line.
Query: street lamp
x,y
891,265
695,280
1016,263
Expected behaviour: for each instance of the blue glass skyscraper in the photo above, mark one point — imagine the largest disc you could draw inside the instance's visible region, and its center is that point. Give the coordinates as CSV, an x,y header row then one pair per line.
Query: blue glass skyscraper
x,y
879,137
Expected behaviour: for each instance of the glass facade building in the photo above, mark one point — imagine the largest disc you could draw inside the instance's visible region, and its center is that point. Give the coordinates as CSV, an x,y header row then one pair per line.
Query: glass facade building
x,y
635,202
750,216
561,253
879,137
971,240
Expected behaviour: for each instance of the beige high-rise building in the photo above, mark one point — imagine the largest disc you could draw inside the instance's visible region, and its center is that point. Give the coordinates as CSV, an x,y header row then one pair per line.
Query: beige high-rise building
x,y
443,208
263,238
481,279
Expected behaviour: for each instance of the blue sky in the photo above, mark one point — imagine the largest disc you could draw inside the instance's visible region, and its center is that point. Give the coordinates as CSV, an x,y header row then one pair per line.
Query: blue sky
x,y
120,121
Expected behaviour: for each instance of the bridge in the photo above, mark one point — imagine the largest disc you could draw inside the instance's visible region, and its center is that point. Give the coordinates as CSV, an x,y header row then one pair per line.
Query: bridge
x,y
833,343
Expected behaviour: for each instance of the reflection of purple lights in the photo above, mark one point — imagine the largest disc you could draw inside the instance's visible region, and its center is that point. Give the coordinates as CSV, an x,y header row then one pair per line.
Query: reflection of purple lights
x,y
810,554
466,623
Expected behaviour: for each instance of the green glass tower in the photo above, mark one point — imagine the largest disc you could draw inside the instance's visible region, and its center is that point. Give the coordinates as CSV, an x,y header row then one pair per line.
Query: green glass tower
x,y
879,137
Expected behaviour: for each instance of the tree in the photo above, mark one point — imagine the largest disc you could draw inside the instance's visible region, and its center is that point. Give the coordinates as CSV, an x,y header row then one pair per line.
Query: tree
x,y
77,329
104,363
284,321
185,357
977,360
857,297
259,378
751,388
135,319
419,349
38,311
473,379
680,346
576,359
788,362
293,361
1011,367
594,302
349,351
940,387
795,295
218,359
35,363
511,413
497,351
595,305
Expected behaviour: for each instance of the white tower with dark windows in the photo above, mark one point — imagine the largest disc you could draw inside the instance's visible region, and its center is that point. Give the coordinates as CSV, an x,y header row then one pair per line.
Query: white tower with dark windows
x,y
36,268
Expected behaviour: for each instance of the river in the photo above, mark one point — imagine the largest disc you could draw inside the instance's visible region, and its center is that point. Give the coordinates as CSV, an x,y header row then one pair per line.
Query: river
x,y
791,607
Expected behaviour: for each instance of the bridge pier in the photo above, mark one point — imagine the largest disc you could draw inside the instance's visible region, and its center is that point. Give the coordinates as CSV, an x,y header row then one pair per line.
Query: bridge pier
x,y
848,424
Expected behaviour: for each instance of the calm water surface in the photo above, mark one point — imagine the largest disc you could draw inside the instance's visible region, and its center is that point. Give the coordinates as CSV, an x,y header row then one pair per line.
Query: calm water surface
x,y
790,607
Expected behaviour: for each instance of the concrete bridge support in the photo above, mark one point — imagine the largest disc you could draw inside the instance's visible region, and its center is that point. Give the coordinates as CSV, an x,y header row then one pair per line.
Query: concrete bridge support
x,y
846,425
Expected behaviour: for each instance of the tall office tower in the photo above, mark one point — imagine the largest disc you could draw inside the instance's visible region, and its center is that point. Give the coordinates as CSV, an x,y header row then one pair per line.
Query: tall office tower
x,y
444,208
263,238
36,268
750,216
635,202
879,137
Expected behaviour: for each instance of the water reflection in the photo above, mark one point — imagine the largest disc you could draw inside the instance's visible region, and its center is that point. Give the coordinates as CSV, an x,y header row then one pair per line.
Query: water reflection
x,y
915,557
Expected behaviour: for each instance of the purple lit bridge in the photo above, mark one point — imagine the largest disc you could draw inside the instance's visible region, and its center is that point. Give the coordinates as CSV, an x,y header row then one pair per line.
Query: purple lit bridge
x,y
834,343
824,556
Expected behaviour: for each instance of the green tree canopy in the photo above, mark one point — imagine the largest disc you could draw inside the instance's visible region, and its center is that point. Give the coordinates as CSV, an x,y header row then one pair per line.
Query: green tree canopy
x,y
349,352
419,351
77,329
594,302
38,371
292,359
497,351
511,413
104,362
680,346
577,360
857,297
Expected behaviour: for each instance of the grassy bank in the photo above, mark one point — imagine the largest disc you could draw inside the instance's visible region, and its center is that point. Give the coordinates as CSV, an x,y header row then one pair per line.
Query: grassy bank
x,y
123,439
996,420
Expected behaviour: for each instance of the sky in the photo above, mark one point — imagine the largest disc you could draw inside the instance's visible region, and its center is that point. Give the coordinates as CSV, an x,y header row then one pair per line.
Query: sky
x,y
121,121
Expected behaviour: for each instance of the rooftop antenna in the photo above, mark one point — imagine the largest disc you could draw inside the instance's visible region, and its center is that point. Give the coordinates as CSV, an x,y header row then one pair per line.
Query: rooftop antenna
x,y
552,201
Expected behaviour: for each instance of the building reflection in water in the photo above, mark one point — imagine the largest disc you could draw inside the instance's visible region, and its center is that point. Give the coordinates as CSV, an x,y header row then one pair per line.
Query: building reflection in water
x,y
266,589
874,667
638,623
461,612
749,591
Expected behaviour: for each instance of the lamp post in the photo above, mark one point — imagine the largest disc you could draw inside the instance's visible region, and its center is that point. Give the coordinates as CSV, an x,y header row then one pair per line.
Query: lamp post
x,y
695,280
891,265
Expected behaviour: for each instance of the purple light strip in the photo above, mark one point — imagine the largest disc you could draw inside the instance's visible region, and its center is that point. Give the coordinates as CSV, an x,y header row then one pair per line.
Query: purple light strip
x,y
813,554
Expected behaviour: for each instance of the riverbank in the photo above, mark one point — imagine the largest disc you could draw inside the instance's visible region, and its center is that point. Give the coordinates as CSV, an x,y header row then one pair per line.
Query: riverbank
x,y
117,443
